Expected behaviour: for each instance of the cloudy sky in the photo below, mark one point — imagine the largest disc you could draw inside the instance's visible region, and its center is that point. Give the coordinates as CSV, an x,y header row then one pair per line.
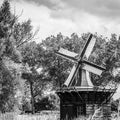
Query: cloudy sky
x,y
68,16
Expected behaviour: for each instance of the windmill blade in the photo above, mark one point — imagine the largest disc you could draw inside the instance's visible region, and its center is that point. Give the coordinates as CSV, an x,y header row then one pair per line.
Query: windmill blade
x,y
88,46
71,75
91,67
67,54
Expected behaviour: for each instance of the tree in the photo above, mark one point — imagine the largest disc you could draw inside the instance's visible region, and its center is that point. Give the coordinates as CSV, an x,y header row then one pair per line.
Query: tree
x,y
104,54
32,55
114,105
58,68
109,57
7,50
48,102
13,35
23,33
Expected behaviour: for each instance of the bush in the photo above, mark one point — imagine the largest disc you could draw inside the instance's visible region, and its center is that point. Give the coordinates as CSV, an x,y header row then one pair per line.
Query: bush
x,y
25,105
49,102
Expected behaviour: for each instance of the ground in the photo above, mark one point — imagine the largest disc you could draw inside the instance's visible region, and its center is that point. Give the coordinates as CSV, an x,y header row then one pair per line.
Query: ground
x,y
44,115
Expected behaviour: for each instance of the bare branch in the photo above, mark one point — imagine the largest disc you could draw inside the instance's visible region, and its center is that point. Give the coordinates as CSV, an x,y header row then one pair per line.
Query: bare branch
x,y
31,37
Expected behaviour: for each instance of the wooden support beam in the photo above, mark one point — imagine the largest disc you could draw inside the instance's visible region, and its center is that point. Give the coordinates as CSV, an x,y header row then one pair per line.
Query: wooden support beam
x,y
79,95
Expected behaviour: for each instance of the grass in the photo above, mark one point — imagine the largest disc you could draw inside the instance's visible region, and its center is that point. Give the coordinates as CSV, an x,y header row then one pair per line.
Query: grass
x,y
7,116
46,115
41,116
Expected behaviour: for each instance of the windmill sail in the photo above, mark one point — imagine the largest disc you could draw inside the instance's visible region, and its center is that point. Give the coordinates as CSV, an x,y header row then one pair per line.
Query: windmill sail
x,y
67,54
86,45
92,68
90,47
71,75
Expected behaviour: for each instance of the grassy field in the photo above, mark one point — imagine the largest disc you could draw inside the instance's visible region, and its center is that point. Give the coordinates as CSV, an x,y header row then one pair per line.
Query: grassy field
x,y
42,116
46,115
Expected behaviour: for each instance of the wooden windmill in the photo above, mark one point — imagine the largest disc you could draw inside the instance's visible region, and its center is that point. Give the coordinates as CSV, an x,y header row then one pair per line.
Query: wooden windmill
x,y
79,96
79,75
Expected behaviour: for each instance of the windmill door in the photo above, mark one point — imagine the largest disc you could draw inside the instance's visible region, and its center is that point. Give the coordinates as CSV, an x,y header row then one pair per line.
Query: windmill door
x,y
67,112
81,110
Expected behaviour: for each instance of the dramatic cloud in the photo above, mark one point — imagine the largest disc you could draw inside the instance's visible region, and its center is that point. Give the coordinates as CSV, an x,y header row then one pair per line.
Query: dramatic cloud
x,y
68,16
51,4
101,8
106,8
41,16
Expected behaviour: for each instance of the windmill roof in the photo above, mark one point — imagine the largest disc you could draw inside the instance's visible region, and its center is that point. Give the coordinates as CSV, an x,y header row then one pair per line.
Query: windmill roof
x,y
85,89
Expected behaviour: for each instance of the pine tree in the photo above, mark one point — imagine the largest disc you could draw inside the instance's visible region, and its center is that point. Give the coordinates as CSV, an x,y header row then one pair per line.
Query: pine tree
x,y
7,51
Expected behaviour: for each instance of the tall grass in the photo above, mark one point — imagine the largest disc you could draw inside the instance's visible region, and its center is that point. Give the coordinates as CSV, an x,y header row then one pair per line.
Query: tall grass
x,y
7,116
42,116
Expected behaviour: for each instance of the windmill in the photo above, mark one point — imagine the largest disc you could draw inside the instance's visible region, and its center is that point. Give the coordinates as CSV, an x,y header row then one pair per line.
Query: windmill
x,y
79,75
79,96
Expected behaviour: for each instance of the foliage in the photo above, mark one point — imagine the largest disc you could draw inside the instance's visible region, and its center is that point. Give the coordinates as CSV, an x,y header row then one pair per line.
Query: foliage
x,y
7,50
108,56
7,21
32,55
114,105
23,33
105,53
25,105
57,67
13,35
48,102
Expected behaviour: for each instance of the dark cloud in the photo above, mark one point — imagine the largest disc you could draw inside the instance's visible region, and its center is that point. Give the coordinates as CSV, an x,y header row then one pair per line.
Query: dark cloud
x,y
101,8
106,8
51,4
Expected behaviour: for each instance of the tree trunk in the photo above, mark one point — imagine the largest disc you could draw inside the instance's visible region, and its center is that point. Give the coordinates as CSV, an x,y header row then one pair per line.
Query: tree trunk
x,y
32,98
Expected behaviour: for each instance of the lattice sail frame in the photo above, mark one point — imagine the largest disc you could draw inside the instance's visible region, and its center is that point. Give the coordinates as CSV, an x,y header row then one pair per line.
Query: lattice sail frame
x,y
81,67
